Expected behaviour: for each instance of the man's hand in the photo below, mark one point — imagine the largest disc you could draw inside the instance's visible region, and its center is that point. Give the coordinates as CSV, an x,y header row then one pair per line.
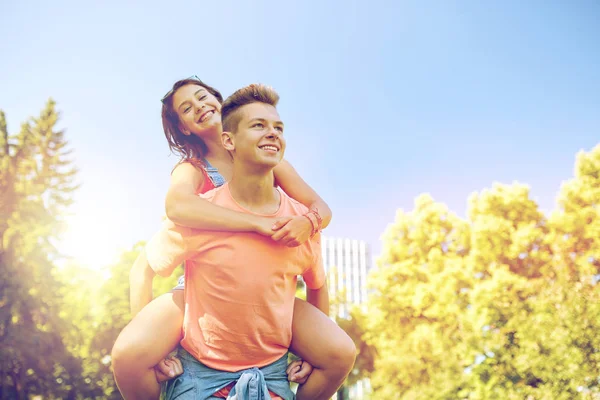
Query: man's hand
x,y
168,368
293,231
298,371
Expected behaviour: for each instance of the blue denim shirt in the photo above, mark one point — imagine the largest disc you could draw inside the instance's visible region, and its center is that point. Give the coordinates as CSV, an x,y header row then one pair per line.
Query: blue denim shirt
x,y
199,382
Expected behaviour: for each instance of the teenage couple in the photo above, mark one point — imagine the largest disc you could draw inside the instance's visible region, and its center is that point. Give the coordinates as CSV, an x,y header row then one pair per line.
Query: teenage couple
x,y
246,225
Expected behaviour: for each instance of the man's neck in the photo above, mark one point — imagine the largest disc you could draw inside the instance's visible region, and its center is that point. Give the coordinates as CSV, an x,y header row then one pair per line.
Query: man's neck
x,y
255,191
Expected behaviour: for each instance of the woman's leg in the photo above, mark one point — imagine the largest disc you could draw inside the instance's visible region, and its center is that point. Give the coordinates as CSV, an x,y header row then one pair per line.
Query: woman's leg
x,y
318,340
150,336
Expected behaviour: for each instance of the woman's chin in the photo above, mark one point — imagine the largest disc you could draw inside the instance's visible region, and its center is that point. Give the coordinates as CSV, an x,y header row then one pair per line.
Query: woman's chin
x,y
207,129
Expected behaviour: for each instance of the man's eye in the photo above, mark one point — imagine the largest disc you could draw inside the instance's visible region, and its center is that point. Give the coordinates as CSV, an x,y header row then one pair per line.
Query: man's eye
x,y
257,125
279,128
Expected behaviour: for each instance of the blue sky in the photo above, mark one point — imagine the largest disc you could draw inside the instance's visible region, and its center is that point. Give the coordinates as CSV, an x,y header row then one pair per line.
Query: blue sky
x,y
382,101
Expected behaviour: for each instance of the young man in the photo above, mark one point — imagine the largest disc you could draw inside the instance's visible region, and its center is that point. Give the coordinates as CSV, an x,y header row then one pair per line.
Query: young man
x,y
241,286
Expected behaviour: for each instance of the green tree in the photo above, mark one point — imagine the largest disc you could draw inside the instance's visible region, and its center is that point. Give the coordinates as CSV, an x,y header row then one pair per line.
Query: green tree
x,y
36,183
503,305
414,316
80,294
508,259
547,346
98,304
365,357
115,313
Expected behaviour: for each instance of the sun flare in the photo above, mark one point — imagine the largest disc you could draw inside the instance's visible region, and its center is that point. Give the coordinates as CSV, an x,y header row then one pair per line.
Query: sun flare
x,y
89,241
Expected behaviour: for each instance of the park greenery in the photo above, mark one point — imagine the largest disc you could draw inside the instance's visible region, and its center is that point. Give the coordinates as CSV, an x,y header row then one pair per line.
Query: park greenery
x,y
502,304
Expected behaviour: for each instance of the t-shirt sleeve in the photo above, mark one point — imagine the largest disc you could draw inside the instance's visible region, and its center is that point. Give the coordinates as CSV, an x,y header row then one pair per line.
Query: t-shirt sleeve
x,y
168,248
314,276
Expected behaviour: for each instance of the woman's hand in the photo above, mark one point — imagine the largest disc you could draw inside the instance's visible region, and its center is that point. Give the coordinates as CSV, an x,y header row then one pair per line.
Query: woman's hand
x,y
168,368
266,225
298,371
292,232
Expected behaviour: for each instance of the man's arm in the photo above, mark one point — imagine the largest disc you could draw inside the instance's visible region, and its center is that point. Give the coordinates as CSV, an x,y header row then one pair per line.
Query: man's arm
x,y
315,277
319,298
140,284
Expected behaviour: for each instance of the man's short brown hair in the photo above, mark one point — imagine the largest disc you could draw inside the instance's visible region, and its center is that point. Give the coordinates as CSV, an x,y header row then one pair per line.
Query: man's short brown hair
x,y
255,93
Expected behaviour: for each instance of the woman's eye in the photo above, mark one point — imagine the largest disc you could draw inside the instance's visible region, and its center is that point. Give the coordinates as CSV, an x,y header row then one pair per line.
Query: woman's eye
x,y
257,125
187,109
202,97
279,128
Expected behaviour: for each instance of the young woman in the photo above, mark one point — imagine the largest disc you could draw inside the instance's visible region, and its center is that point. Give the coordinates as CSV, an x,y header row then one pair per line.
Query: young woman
x,y
192,124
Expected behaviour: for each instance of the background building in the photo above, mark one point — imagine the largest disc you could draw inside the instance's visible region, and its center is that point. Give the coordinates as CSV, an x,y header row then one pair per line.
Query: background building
x,y
347,263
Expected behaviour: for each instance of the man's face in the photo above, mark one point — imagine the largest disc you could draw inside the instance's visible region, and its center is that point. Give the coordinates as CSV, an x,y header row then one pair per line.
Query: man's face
x,y
259,137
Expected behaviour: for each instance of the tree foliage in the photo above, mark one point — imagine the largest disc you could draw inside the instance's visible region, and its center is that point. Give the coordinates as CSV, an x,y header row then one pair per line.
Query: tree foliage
x,y
36,182
58,321
501,305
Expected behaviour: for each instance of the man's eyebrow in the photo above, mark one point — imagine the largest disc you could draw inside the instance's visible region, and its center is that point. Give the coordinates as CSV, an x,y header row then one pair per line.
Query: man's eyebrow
x,y
278,122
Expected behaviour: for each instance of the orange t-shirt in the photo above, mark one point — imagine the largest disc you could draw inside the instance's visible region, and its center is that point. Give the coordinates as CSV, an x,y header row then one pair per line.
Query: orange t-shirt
x,y
240,287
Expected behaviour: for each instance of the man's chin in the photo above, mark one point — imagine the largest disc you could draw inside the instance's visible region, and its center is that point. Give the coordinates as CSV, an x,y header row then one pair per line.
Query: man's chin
x,y
267,164
271,164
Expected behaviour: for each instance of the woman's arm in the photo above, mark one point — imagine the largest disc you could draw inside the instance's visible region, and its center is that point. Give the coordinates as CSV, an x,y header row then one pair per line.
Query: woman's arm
x,y
297,230
293,184
184,207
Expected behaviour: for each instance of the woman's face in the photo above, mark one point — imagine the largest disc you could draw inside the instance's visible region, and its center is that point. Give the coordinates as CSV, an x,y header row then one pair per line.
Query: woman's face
x,y
198,110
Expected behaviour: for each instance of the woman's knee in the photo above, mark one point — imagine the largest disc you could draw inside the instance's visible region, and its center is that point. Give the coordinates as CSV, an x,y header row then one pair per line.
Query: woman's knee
x,y
127,354
122,354
342,355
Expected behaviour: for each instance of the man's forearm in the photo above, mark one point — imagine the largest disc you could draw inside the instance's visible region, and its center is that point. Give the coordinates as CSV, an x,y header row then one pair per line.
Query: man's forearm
x,y
140,281
319,298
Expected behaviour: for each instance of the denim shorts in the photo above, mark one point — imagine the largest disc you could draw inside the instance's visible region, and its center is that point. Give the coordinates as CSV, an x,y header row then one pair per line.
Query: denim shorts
x,y
199,382
180,283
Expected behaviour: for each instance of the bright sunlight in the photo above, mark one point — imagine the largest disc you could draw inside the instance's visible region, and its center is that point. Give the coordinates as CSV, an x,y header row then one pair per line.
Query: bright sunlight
x,y
89,242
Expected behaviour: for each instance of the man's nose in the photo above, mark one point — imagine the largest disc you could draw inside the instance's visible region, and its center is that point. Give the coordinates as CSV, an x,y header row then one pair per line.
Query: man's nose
x,y
273,133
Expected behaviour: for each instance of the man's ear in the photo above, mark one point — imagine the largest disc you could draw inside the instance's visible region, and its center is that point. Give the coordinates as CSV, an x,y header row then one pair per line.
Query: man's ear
x,y
228,141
